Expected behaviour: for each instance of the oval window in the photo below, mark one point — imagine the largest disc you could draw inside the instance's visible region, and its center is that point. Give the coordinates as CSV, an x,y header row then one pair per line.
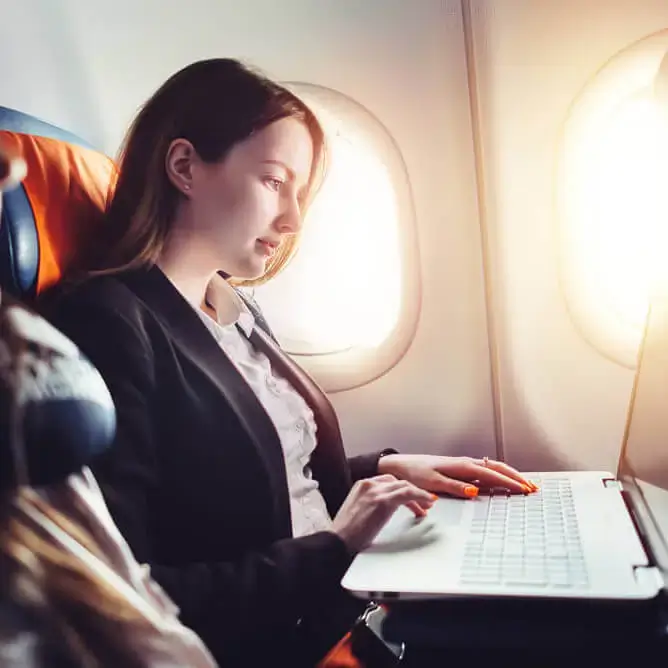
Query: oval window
x,y
352,290
610,198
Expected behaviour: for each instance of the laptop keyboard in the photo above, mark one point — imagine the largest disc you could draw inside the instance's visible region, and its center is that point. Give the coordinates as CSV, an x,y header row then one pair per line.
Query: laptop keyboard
x,y
527,541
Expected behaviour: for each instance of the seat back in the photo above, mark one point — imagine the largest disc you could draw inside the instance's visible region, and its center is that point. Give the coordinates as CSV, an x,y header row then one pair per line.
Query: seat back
x,y
46,220
53,213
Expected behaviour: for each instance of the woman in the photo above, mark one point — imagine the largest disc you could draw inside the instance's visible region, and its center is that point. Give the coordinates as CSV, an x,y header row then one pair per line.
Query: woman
x,y
215,478
71,594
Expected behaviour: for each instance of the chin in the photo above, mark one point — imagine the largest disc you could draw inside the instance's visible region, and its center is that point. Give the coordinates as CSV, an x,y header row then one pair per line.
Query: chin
x,y
248,271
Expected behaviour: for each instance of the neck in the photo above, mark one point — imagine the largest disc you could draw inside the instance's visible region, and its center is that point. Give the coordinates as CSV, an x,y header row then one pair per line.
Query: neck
x,y
188,267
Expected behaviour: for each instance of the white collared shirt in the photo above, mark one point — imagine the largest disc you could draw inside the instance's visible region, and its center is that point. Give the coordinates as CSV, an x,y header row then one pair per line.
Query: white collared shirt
x,y
289,412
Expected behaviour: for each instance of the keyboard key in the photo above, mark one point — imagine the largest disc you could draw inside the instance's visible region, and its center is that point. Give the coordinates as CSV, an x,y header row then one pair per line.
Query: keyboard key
x,y
525,582
529,540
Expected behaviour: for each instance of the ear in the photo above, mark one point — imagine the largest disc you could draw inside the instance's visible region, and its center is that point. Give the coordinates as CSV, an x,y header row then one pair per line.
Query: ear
x,y
179,161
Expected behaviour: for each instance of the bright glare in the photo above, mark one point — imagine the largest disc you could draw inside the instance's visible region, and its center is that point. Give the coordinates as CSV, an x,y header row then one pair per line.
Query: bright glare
x,y
343,289
618,184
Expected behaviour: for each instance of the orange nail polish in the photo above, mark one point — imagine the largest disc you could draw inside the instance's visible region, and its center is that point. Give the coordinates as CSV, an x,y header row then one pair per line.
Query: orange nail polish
x,y
471,491
527,489
434,497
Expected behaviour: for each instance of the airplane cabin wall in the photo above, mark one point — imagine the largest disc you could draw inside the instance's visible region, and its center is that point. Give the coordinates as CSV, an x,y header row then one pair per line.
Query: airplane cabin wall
x,y
563,404
88,64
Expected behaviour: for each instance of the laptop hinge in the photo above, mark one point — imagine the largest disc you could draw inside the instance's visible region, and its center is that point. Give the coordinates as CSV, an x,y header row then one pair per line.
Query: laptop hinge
x,y
647,548
649,578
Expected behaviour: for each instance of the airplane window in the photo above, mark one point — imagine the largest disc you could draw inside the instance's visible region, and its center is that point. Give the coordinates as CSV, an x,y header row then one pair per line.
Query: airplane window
x,y
351,290
611,202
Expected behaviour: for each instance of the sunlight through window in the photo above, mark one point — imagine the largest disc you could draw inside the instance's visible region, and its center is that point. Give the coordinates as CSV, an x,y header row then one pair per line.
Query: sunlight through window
x,y
612,202
343,288
617,182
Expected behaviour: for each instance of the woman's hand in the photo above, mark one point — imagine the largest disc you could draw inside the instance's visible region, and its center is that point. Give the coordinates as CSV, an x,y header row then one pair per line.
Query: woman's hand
x,y
371,503
459,476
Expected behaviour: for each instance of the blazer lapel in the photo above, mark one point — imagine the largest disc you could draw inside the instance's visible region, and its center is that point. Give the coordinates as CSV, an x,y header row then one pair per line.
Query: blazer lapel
x,y
328,462
194,340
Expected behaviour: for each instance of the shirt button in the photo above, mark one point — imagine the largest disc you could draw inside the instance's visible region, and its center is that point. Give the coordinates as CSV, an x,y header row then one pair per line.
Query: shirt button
x,y
272,385
300,425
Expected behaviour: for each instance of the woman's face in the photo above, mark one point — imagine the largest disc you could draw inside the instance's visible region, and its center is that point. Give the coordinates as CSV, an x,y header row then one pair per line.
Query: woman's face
x,y
244,206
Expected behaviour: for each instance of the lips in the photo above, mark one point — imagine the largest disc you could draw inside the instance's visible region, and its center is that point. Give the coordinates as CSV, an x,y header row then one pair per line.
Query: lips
x,y
268,247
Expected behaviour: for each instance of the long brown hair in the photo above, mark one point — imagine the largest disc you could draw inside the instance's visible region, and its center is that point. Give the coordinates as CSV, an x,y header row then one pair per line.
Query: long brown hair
x,y
214,104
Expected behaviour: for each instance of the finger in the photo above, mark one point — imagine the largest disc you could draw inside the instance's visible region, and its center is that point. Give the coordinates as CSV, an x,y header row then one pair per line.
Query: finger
x,y
369,485
384,487
493,475
402,493
480,471
385,477
417,509
461,488
509,471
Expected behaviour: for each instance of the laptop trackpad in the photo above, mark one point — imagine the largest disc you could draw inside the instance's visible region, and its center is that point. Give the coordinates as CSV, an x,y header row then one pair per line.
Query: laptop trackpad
x,y
406,532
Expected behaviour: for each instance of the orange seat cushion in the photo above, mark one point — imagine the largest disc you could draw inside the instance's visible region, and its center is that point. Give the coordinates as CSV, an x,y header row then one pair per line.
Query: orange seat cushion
x,y
67,187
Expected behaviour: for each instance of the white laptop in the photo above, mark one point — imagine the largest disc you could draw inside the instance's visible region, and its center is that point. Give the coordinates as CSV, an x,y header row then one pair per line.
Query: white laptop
x,y
585,535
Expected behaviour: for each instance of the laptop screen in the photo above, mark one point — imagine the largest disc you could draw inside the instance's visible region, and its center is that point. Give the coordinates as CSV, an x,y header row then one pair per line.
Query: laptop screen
x,y
643,466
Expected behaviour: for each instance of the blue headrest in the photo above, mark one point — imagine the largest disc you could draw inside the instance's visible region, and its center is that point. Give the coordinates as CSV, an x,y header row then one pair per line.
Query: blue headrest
x,y
19,243
66,414
17,121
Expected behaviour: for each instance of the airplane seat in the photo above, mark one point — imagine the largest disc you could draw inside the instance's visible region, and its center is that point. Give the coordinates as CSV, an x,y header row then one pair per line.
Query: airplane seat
x,y
52,214
44,220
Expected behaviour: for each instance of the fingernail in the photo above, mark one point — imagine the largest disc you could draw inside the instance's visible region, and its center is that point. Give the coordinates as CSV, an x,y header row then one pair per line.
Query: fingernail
x,y
434,497
471,491
527,489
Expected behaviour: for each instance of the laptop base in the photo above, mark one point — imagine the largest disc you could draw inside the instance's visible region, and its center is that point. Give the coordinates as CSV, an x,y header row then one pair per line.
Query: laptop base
x,y
460,550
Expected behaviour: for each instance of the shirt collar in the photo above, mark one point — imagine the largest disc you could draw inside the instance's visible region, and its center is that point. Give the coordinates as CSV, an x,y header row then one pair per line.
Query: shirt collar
x,y
229,306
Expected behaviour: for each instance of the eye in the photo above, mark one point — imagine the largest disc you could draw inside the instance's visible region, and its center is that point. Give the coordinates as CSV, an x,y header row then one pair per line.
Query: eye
x,y
274,183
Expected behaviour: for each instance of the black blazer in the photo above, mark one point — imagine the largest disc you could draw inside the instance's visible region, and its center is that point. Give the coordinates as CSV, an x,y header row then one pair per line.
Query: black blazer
x,y
196,479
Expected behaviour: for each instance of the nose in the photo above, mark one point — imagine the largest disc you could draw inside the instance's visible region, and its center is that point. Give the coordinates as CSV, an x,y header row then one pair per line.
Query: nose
x,y
290,221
